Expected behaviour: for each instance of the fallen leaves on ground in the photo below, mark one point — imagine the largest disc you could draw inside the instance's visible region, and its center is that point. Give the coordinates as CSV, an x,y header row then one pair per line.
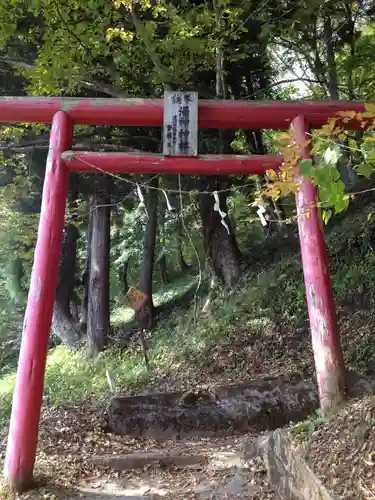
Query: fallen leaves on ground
x,y
69,437
341,450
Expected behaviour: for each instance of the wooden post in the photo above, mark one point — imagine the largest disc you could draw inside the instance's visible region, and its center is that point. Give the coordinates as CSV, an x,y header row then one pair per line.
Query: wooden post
x,y
180,134
325,334
28,391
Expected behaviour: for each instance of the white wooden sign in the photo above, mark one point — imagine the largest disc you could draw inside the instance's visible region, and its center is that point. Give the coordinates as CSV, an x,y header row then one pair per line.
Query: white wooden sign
x,y
180,134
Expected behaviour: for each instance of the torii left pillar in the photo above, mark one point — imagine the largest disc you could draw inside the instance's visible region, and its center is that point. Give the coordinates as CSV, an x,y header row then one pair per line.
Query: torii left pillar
x,y
28,392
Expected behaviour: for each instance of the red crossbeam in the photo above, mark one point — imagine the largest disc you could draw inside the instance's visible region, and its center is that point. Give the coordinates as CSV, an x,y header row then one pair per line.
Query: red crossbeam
x,y
144,112
158,164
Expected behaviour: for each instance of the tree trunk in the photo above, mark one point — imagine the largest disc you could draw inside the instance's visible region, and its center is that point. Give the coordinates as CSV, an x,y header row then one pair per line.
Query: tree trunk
x,y
146,314
221,247
63,324
163,270
347,174
181,261
124,277
163,261
67,271
352,43
86,276
98,289
331,62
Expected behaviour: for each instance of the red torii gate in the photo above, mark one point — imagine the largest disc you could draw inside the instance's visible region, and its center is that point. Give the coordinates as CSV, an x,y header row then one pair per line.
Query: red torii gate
x,y
63,113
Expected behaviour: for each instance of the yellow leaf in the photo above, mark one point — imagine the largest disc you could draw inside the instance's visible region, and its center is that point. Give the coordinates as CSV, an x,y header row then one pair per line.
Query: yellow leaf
x,y
272,192
367,114
369,139
272,175
347,114
342,137
327,129
370,107
285,190
285,139
337,131
305,143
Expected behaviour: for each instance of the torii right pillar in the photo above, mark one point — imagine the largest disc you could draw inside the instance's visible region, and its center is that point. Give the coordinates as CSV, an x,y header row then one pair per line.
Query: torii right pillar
x,y
325,335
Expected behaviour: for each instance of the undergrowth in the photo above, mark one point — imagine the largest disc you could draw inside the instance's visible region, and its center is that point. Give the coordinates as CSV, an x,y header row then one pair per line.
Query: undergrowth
x,y
268,300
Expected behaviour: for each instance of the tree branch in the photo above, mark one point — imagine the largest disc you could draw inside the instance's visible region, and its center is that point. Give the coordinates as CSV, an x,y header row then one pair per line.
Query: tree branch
x,y
87,145
281,82
105,88
94,85
163,72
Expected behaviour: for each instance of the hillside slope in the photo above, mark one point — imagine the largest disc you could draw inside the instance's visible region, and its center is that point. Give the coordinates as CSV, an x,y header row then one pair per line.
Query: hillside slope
x,y
261,329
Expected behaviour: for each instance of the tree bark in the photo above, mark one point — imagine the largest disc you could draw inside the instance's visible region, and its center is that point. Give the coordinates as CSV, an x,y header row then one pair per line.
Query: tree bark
x,y
181,261
221,248
124,277
67,272
63,324
85,277
98,289
163,270
333,90
352,43
146,314
347,174
163,260
331,62
256,405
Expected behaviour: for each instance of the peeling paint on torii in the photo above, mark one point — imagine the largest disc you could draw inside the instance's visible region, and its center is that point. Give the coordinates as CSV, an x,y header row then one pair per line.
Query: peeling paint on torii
x,y
62,113
325,336
149,113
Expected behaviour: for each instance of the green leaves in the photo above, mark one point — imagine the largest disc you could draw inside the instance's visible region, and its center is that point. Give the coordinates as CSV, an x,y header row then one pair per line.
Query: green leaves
x,y
326,215
307,168
342,204
365,169
331,190
326,178
325,175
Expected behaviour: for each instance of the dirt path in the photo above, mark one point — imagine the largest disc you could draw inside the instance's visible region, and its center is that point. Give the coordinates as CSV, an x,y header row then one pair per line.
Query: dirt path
x,y
70,438
222,475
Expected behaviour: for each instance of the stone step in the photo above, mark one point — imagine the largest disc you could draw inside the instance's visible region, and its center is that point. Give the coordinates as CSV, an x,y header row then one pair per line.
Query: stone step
x,y
288,473
134,461
266,403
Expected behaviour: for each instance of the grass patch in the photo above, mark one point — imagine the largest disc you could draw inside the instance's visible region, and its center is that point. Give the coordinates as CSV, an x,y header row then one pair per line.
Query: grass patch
x,y
309,425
